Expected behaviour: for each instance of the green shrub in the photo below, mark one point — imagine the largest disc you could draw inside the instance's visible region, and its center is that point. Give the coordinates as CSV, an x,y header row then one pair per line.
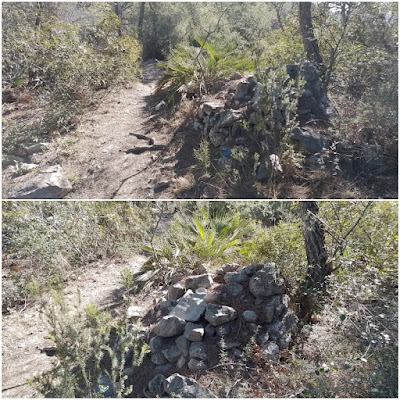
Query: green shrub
x,y
63,66
281,47
53,236
89,364
191,70
282,244
202,237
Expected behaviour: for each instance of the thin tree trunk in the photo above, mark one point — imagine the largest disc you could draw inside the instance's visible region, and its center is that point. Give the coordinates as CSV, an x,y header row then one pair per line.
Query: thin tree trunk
x,y
141,19
278,14
309,40
317,257
117,11
38,20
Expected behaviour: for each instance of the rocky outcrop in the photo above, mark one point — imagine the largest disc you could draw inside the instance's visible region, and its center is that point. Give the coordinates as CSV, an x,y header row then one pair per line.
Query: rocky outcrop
x,y
50,183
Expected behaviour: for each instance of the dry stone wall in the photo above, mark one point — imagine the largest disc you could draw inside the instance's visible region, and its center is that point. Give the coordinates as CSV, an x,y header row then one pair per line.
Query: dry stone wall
x,y
225,120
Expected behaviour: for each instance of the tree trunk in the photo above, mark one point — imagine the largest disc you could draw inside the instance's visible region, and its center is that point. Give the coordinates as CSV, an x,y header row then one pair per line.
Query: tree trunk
x,y
309,40
117,11
39,9
278,8
317,257
141,19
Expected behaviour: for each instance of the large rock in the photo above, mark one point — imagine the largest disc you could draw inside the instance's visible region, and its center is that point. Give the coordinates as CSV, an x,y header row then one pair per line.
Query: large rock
x,y
49,183
242,90
156,344
169,326
217,315
308,142
198,350
194,332
266,282
172,353
269,312
199,281
232,289
158,359
178,386
249,316
228,118
190,307
156,385
236,277
281,331
183,345
175,292
181,362
211,107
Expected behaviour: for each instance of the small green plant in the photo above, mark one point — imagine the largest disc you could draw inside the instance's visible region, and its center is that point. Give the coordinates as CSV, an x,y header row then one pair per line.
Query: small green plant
x,y
203,156
233,382
89,364
127,278
191,70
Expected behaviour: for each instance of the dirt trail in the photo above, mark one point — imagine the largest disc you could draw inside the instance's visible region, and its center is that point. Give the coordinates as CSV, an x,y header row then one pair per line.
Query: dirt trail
x,y
24,333
98,159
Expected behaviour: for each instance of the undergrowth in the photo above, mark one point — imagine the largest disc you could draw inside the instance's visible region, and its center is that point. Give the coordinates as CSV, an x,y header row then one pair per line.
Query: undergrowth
x,y
62,66
202,237
93,352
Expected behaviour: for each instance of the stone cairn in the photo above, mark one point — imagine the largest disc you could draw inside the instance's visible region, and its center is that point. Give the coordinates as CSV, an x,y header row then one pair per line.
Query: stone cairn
x,y
201,310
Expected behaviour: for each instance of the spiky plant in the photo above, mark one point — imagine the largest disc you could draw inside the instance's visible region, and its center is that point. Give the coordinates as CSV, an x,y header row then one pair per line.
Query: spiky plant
x,y
192,240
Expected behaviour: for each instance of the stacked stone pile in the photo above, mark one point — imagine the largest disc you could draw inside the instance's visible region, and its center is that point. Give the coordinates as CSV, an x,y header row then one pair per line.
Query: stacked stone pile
x,y
234,303
222,121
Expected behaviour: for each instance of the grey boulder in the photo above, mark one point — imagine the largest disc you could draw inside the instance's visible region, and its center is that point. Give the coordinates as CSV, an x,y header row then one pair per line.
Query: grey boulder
x,y
217,315
190,307
198,350
266,282
156,385
179,386
199,281
194,332
49,183
172,353
169,326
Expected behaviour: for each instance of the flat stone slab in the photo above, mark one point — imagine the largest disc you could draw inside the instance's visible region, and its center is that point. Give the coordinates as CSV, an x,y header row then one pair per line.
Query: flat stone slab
x,y
190,307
